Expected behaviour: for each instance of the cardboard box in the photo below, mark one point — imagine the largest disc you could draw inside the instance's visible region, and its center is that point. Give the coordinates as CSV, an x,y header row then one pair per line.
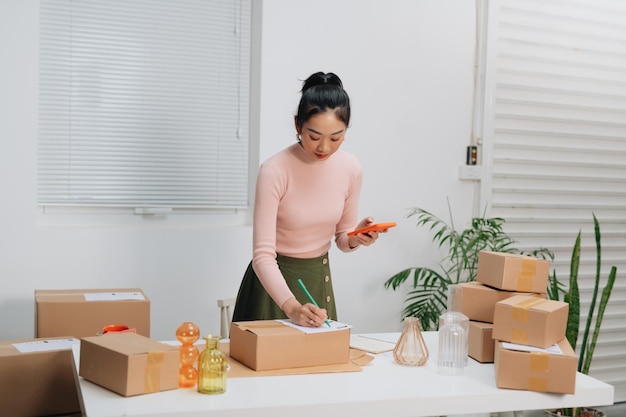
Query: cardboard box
x,y
536,371
513,272
480,341
81,313
38,382
478,301
129,364
269,344
530,321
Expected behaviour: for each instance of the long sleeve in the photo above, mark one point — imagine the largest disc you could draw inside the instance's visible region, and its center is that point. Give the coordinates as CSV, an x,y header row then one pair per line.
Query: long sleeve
x,y
299,207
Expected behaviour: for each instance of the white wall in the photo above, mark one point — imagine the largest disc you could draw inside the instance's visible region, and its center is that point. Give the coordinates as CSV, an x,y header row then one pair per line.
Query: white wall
x,y
408,68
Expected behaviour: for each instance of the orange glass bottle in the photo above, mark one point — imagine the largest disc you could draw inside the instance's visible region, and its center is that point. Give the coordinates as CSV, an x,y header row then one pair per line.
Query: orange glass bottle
x,y
187,334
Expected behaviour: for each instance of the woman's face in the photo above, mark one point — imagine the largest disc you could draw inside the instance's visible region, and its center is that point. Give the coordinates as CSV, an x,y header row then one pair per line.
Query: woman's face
x,y
322,135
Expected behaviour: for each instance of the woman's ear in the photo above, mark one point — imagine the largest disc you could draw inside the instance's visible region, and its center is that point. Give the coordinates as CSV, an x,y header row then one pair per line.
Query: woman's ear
x,y
298,127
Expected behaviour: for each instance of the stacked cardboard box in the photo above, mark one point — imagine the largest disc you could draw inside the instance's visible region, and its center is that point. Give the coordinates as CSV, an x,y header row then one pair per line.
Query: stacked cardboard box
x,y
528,330
85,312
38,378
499,276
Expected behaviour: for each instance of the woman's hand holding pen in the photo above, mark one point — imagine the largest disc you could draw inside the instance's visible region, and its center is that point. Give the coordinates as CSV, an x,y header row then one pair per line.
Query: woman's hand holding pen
x,y
306,315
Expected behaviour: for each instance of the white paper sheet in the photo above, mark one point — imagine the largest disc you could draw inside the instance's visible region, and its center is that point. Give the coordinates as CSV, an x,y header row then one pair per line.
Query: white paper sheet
x,y
334,326
554,349
367,344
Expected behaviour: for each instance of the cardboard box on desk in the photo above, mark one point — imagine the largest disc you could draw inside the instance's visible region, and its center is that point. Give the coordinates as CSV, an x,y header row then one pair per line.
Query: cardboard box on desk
x,y
129,364
269,344
513,272
480,341
84,312
532,321
38,378
477,300
536,371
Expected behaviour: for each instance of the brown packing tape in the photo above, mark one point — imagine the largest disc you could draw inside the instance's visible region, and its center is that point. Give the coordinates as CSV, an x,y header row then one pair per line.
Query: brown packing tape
x,y
539,361
526,275
539,384
152,374
519,311
519,336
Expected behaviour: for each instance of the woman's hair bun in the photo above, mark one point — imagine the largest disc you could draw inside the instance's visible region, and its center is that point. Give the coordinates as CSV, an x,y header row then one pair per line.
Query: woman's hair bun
x,y
320,78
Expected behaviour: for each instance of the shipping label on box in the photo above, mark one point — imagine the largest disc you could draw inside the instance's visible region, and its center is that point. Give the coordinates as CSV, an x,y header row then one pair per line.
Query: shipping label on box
x,y
477,300
536,370
38,378
480,341
530,321
269,344
513,272
129,364
84,312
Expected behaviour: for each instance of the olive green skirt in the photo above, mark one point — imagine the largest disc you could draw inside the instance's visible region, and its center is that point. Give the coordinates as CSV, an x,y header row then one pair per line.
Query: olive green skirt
x,y
254,303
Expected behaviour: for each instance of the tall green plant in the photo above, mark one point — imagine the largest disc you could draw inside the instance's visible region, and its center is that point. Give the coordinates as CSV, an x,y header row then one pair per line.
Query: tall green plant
x,y
427,298
572,296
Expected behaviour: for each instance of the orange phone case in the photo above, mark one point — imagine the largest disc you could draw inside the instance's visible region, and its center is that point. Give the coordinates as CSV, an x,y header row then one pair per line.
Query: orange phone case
x,y
376,227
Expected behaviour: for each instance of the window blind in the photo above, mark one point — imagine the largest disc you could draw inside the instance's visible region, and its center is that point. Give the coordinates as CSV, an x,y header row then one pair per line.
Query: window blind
x,y
144,103
557,151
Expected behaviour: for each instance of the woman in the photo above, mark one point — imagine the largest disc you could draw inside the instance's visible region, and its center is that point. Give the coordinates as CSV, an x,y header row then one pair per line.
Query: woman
x,y
305,195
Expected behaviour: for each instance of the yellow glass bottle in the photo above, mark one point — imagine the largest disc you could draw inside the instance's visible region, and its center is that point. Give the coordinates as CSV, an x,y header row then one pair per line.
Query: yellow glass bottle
x,y
212,368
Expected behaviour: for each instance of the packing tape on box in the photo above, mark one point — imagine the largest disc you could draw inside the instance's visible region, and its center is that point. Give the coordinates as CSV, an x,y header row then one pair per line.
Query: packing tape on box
x,y
539,384
519,311
538,365
519,314
519,336
526,275
152,374
539,361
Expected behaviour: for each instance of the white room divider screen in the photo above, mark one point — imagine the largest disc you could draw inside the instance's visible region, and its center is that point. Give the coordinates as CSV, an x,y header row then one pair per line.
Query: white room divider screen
x,y
554,148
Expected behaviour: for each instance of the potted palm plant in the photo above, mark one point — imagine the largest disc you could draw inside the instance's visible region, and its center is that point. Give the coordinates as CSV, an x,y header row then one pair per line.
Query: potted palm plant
x,y
427,299
589,336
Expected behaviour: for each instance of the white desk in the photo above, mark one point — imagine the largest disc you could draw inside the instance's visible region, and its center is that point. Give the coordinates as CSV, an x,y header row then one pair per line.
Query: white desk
x,y
383,388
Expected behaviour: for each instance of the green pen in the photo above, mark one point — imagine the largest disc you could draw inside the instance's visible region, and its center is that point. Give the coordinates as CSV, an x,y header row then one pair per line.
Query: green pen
x,y
308,294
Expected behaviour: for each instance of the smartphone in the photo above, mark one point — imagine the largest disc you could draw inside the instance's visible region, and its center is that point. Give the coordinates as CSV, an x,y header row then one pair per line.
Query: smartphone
x,y
376,227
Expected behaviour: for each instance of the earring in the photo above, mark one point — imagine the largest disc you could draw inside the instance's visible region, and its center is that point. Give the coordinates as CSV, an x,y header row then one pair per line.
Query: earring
x,y
299,137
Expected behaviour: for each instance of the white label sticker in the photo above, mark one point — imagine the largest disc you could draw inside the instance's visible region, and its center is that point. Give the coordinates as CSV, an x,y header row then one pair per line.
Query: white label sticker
x,y
45,345
113,296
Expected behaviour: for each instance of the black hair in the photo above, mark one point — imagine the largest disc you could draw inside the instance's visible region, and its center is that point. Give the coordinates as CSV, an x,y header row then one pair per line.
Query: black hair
x,y
320,93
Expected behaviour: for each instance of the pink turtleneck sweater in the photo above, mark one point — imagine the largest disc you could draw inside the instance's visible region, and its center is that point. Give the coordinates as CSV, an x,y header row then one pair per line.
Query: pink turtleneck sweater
x,y
300,205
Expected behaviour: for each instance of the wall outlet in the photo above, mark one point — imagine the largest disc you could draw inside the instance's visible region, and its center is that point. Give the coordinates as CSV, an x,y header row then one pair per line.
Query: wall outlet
x,y
470,172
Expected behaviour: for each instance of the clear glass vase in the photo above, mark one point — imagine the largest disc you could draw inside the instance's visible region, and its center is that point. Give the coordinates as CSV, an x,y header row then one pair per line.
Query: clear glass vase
x,y
411,349
452,349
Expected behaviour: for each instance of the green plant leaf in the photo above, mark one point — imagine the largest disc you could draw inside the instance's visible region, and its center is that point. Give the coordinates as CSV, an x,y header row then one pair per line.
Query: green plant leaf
x,y
606,294
573,296
427,298
596,285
